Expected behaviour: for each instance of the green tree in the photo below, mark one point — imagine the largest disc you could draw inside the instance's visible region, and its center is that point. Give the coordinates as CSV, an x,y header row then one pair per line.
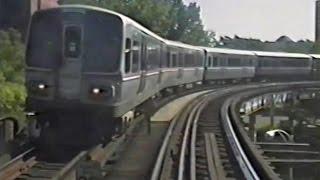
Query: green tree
x,y
316,48
12,91
283,44
187,25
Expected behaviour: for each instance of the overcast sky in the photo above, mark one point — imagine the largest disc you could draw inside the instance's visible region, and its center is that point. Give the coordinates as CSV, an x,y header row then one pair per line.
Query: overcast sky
x,y
263,19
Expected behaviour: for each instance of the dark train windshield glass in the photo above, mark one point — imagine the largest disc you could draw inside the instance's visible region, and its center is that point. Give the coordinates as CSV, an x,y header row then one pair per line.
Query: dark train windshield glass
x,y
72,41
45,41
95,38
102,42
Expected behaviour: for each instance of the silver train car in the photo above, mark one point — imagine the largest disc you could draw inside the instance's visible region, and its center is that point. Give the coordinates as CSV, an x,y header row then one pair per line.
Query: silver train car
x,y
88,69
227,64
184,65
282,66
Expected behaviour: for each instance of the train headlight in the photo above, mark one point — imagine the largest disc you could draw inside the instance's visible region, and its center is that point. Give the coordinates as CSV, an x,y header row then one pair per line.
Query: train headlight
x,y
103,91
96,91
42,86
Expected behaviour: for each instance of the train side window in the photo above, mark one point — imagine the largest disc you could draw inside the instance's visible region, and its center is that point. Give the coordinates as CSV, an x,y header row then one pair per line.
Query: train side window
x,y
182,58
197,61
209,61
214,62
72,41
168,59
174,60
188,60
128,55
193,60
135,56
224,61
234,62
152,56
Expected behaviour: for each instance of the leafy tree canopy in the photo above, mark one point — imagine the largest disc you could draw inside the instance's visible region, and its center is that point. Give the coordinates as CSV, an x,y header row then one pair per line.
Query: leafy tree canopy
x,y
12,91
283,44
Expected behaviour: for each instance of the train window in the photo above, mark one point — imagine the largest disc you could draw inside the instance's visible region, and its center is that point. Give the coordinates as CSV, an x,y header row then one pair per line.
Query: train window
x,y
234,62
244,62
189,60
168,59
103,36
44,42
72,41
209,61
162,56
181,59
214,62
153,56
135,56
223,61
128,55
198,61
174,60
158,55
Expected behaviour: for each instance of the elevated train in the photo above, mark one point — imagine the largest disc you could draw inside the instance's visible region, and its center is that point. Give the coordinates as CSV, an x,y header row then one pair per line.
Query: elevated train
x,y
88,68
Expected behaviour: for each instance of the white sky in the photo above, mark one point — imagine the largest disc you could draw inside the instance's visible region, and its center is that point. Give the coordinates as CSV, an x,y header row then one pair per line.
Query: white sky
x,y
263,19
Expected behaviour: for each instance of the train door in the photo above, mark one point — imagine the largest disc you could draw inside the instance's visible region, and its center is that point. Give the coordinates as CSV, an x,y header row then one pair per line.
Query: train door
x,y
143,65
69,79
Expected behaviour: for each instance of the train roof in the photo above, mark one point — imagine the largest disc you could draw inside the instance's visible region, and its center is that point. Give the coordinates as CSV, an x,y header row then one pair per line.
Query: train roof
x,y
182,45
125,19
229,51
316,56
281,54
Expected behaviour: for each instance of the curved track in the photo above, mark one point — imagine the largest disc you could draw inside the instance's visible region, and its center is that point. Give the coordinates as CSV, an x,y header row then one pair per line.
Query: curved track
x,y
196,142
204,141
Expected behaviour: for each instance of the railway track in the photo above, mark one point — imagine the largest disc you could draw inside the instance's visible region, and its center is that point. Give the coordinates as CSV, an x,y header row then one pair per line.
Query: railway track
x,y
196,146
27,166
279,158
87,164
205,142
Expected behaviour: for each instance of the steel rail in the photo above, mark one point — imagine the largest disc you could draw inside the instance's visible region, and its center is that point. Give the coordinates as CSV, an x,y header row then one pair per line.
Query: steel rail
x,y
186,134
156,172
158,165
262,166
69,170
245,165
17,166
193,141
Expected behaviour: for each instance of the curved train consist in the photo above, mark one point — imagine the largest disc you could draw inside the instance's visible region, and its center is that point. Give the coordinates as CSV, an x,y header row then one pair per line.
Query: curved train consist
x,y
88,68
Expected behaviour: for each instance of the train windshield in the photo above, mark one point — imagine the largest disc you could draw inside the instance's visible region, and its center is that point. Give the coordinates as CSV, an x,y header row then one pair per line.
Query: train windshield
x,y
94,38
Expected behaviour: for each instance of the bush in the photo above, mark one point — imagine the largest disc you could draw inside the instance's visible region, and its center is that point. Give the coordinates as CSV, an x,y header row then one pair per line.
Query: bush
x,y
12,91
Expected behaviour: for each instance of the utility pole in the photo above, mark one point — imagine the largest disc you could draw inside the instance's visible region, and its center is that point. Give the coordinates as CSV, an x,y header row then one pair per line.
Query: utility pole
x,y
317,23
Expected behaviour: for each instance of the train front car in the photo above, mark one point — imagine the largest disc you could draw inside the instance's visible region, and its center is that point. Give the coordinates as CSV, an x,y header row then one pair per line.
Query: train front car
x,y
278,66
73,74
